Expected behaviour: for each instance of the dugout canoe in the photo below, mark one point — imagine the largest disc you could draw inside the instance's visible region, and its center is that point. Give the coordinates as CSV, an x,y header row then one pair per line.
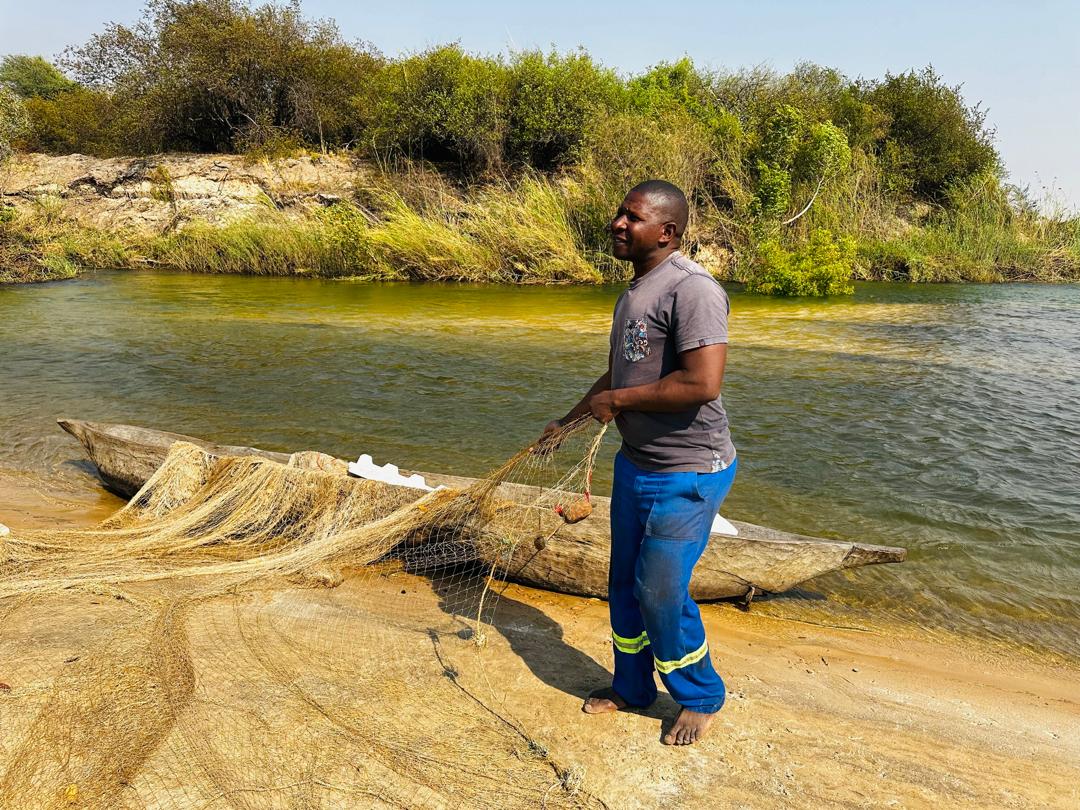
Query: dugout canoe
x,y
758,560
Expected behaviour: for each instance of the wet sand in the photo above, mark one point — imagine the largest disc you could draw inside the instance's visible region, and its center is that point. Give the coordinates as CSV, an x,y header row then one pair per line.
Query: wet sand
x,y
28,501
817,716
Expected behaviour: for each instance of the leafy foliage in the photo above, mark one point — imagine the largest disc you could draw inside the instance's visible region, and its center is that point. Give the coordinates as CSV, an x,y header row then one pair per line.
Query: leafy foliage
x,y
934,138
552,104
33,77
13,120
216,75
822,266
78,120
440,105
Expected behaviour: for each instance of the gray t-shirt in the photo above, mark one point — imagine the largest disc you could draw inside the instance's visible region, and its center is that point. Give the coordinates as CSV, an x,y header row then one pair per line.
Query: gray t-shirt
x,y
674,307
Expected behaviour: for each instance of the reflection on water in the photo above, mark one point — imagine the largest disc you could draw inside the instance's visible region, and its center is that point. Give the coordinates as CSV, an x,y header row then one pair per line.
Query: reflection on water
x,y
944,419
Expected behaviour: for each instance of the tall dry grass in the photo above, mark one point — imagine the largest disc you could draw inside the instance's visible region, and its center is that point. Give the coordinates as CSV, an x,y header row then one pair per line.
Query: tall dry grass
x,y
983,236
413,223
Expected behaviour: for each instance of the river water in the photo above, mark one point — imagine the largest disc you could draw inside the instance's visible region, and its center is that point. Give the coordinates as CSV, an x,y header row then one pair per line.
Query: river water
x,y
945,419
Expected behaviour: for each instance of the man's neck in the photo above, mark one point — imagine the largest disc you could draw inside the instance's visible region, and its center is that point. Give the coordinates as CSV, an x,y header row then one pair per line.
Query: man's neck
x,y
651,262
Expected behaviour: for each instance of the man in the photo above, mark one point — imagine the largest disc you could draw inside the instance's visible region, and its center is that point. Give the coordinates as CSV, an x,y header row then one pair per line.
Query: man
x,y
676,464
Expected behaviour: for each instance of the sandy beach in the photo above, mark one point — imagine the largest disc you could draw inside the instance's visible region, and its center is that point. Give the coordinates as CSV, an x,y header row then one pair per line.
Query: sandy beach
x,y
817,716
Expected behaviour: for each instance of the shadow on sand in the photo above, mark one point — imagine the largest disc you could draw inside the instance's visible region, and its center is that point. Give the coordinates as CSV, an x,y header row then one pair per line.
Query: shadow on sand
x,y
533,636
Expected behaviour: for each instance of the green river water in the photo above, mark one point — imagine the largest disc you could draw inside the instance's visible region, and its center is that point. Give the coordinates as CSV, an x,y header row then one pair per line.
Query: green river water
x,y
945,419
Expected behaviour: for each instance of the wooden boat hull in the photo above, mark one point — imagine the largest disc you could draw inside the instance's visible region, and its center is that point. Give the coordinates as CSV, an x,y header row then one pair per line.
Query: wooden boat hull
x,y
759,560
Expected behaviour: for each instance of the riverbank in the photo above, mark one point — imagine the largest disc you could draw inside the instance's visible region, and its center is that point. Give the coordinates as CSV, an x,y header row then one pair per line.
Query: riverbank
x,y
336,216
816,715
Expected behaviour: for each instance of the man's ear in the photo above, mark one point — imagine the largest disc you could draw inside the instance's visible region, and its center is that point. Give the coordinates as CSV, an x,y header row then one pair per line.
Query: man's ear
x,y
667,233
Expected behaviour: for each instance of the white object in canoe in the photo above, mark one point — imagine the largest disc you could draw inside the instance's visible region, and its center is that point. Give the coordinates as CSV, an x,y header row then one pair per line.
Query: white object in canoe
x,y
364,467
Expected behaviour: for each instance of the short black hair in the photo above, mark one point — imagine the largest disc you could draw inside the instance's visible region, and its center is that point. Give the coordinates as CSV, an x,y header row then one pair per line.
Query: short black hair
x,y
669,198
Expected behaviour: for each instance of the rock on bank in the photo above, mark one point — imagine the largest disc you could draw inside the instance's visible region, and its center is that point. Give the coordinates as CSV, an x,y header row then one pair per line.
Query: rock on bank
x,y
158,193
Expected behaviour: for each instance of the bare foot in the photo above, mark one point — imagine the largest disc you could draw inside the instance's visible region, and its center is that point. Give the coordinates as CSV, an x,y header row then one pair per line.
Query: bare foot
x,y
603,701
689,728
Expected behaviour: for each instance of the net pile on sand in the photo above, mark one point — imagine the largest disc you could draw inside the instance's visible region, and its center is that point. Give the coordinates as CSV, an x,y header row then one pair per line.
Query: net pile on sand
x,y
183,655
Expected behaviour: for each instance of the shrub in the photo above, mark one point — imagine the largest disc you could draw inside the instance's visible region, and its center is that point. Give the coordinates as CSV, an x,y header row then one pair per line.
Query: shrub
x,y
33,77
76,120
552,103
823,266
773,195
441,105
781,137
823,153
667,87
939,140
794,151
202,74
13,120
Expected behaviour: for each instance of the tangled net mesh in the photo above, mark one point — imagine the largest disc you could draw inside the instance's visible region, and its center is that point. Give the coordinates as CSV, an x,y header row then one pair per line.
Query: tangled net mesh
x,y
248,634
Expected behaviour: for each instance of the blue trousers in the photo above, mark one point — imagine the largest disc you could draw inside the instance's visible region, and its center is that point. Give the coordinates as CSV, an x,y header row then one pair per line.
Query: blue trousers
x,y
659,528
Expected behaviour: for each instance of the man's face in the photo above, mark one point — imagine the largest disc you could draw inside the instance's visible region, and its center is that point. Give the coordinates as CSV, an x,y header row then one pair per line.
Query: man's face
x,y
637,229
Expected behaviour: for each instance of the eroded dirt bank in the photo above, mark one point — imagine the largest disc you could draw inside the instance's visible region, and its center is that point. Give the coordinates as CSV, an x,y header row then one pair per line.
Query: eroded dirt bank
x,y
157,193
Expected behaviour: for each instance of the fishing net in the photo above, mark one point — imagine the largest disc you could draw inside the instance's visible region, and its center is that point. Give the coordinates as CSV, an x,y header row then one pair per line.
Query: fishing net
x,y
249,634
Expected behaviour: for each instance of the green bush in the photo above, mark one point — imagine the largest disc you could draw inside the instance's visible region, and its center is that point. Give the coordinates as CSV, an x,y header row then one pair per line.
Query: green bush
x,y
32,76
441,105
773,194
780,139
793,152
553,101
938,141
671,86
77,120
13,120
823,266
212,75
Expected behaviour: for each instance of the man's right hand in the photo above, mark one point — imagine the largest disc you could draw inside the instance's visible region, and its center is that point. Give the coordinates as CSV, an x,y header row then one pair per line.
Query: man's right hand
x,y
549,440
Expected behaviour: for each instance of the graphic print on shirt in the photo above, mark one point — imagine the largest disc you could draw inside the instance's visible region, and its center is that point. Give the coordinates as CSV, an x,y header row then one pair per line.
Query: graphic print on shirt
x,y
635,340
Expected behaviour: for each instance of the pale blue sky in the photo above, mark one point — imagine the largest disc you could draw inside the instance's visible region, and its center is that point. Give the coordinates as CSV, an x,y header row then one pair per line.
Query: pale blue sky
x,y
1022,59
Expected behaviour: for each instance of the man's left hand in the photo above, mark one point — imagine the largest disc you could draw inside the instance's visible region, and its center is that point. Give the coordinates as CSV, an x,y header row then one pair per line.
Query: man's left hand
x,y
602,407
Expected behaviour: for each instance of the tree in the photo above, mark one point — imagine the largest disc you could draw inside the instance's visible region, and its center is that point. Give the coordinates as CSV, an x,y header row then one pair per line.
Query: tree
x,y
441,105
13,120
934,140
553,100
33,77
78,120
217,75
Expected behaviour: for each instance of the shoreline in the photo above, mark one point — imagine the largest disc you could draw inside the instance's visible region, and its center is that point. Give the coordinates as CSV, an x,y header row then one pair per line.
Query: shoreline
x,y
31,501
817,715
729,283
341,216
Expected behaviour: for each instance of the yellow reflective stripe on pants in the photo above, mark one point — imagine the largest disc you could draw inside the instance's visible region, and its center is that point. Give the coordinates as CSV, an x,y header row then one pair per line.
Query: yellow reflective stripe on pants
x,y
688,659
630,645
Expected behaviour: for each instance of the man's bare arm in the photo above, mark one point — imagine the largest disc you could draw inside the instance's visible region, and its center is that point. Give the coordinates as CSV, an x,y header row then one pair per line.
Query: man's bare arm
x,y
697,382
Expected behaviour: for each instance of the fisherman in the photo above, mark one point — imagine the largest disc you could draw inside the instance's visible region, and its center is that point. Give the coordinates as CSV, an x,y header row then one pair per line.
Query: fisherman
x,y
665,369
